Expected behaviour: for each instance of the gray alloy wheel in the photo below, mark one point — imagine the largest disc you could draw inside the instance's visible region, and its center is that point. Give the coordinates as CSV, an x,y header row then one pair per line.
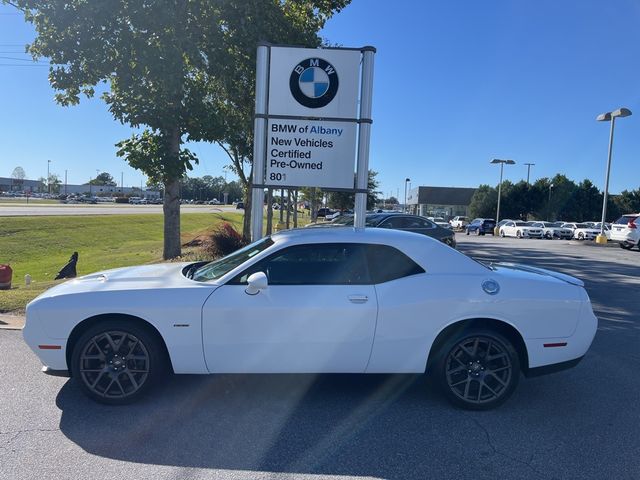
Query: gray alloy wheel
x,y
519,234
115,362
478,370
580,236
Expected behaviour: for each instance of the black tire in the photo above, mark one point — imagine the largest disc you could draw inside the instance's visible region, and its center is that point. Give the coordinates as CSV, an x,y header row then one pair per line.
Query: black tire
x,y
467,231
580,236
548,236
116,362
519,234
470,379
625,246
501,233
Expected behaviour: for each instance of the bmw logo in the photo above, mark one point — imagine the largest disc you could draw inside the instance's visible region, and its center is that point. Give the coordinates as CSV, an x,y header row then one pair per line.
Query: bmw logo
x,y
314,83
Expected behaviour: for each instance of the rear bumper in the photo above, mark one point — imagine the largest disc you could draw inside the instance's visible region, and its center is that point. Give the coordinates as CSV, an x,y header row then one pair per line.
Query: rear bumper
x,y
556,367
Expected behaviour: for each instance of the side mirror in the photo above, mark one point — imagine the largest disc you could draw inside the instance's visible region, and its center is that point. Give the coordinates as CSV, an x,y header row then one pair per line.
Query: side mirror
x,y
256,282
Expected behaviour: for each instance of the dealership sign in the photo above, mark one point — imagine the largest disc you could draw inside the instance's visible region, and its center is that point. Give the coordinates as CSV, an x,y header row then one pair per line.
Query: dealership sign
x,y
313,117
311,153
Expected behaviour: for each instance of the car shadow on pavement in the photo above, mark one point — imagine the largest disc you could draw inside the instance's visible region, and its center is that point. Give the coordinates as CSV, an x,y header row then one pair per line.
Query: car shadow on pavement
x,y
389,426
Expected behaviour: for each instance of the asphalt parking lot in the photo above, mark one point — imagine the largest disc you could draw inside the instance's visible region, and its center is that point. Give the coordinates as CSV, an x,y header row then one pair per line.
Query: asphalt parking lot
x,y
583,423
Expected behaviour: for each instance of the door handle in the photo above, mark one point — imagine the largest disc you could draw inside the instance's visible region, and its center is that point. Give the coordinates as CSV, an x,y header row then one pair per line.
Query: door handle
x,y
358,298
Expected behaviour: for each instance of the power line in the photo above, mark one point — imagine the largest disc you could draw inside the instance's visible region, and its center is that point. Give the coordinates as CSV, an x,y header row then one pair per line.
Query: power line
x,y
23,65
20,59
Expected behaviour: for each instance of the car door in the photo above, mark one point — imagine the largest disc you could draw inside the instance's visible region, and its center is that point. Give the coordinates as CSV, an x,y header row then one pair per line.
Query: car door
x,y
318,314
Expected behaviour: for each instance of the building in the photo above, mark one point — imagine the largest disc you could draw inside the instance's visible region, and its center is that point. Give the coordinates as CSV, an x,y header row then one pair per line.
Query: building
x,y
16,185
36,186
446,202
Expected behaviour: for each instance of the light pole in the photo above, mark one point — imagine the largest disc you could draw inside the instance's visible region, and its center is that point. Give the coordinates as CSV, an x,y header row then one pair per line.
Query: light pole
x,y
48,178
529,165
502,163
608,117
549,204
65,182
406,181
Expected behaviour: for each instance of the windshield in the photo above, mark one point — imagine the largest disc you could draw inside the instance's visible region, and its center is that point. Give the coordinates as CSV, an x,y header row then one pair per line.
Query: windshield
x,y
521,224
224,265
582,225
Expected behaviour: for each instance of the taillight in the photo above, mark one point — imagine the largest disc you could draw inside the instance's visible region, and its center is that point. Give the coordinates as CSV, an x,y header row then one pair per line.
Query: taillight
x,y
632,224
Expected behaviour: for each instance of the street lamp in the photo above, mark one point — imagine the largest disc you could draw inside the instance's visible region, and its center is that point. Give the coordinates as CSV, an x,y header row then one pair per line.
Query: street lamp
x,y
529,165
406,181
502,163
608,117
48,178
549,204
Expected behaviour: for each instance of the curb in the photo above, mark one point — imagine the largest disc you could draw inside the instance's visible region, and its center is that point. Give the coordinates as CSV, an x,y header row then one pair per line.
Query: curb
x,y
11,322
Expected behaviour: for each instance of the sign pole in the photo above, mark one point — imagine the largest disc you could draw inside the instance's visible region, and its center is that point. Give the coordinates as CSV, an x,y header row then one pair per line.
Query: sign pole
x,y
362,169
259,141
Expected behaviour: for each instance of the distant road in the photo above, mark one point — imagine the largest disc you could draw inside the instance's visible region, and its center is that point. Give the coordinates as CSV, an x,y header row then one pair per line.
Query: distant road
x,y
33,209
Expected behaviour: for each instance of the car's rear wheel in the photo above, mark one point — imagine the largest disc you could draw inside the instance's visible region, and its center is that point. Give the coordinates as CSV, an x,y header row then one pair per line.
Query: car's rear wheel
x,y
116,362
502,233
467,231
580,236
626,246
478,370
519,234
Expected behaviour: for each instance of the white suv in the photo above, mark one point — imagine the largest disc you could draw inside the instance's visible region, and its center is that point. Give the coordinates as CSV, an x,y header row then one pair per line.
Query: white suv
x,y
627,231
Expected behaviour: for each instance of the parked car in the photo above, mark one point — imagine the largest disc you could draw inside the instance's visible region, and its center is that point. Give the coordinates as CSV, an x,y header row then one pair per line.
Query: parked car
x,y
459,222
481,226
264,308
625,231
399,221
323,212
551,230
520,230
582,231
440,222
240,206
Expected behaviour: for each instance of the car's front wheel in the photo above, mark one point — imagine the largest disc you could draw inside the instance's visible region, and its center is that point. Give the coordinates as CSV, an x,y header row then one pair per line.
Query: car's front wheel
x,y
502,233
478,370
116,362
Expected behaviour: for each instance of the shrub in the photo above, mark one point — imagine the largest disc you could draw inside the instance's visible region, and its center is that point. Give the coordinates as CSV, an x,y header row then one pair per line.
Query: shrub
x,y
223,241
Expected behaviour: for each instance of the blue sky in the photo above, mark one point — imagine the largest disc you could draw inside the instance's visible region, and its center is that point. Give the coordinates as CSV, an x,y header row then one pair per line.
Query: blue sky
x,y
456,84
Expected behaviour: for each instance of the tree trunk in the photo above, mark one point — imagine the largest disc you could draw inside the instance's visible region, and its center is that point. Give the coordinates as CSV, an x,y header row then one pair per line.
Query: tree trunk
x,y
269,211
288,209
295,209
171,204
171,209
246,224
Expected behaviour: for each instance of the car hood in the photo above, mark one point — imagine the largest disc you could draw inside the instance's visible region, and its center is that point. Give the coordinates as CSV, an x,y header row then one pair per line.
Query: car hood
x,y
161,275
507,268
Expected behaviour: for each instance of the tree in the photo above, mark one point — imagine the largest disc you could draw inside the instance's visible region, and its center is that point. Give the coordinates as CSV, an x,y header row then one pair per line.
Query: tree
x,y
184,69
346,200
18,174
104,178
484,202
17,177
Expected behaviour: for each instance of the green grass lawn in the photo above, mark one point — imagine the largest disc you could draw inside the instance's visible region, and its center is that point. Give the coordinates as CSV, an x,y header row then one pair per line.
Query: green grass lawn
x,y
32,201
41,246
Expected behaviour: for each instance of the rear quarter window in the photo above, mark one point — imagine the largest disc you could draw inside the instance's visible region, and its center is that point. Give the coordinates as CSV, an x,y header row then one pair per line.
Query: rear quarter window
x,y
388,263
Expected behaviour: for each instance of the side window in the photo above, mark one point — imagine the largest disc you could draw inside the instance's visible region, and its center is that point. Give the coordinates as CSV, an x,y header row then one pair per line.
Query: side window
x,y
315,264
393,222
388,263
414,222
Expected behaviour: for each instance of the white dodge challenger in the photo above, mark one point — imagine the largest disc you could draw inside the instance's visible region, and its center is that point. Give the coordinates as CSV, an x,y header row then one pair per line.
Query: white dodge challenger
x,y
337,300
